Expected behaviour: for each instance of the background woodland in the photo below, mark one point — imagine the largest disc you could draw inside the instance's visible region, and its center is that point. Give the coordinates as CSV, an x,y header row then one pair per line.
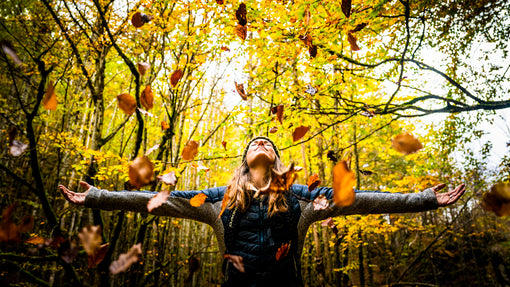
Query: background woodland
x,y
87,86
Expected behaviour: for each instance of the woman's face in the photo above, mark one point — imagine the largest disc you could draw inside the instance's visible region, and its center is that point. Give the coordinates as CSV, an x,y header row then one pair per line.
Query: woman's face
x,y
260,152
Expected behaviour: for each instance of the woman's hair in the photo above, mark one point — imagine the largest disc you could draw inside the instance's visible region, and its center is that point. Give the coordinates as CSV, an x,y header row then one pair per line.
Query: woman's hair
x,y
239,194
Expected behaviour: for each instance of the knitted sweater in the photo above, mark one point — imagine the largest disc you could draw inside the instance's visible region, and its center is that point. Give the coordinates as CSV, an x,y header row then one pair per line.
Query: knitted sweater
x,y
177,205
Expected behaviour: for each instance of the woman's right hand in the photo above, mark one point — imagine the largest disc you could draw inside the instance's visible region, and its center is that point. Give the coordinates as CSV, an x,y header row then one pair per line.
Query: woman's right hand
x,y
74,197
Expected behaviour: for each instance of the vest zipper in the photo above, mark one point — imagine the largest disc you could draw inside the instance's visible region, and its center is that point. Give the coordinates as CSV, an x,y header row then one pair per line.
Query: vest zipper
x,y
261,233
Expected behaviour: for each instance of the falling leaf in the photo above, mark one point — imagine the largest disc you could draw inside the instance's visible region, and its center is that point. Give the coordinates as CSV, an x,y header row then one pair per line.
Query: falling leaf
x,y
224,144
281,181
313,51
282,251
368,114
366,172
497,200
147,98
141,171
306,17
313,182
332,156
330,223
273,130
68,250
200,166
143,67
168,178
90,238
299,132
311,90
298,168
127,103
193,267
149,151
240,91
50,98
236,260
190,150
9,50
346,8
9,230
352,41
241,31
175,77
307,40
406,144
320,203
225,49
343,184
126,259
164,125
12,133
359,27
157,200
278,110
17,148
241,14
146,113
97,257
198,199
36,240
139,19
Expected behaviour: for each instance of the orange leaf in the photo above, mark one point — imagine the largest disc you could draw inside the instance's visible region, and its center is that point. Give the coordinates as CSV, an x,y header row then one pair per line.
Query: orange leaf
x,y
164,125
198,200
141,171
241,31
143,67
190,150
147,98
126,259
281,182
36,240
343,184
406,144
352,41
157,200
282,251
224,144
313,182
236,260
240,90
50,98
176,76
497,200
299,132
127,103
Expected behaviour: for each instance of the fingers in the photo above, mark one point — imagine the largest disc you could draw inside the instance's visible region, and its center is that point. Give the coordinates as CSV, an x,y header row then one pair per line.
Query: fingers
x,y
84,184
439,187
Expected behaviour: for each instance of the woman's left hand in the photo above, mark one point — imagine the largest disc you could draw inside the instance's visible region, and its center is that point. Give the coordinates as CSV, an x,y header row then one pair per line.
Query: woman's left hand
x,y
450,197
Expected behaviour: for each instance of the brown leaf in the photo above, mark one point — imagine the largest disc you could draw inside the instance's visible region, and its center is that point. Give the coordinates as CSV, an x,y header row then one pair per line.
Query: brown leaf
x,y
17,148
157,200
278,110
97,257
406,144
127,103
344,181
143,67
147,98
193,267
359,27
168,178
90,238
307,40
352,41
281,182
306,17
282,251
240,91
241,14
220,2
126,259
50,98
241,31
190,150
346,8
313,51
320,203
139,19
10,231
332,156
236,260
497,200
141,171
330,223
12,134
225,49
313,182
198,199
9,50
164,125
224,144
176,76
273,130
299,132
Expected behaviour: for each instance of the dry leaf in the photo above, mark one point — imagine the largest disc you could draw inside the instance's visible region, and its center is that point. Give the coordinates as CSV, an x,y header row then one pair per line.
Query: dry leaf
x,y
320,203
98,256
313,182
282,251
190,150
343,184
141,171
281,182
497,200
17,148
224,144
220,2
9,50
90,238
146,112
346,8
147,98
127,103
149,151
240,91
126,259
164,125
311,90
299,132
176,77
406,144
332,156
10,231
307,40
68,250
193,267
36,240
143,67
359,27
313,51
241,14
50,98
12,134
352,41
306,17
236,260
330,223
241,31
225,49
273,130
198,200
139,19
168,178
200,166
278,110
157,200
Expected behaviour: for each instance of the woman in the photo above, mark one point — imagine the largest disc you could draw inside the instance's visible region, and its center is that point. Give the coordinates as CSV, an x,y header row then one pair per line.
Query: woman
x,y
260,233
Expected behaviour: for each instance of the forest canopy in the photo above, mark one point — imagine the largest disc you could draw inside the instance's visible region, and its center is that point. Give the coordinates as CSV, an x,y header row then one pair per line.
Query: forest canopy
x,y
157,95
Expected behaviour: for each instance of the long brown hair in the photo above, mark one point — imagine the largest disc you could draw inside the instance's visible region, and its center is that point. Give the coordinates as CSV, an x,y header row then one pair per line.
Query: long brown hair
x,y
239,194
